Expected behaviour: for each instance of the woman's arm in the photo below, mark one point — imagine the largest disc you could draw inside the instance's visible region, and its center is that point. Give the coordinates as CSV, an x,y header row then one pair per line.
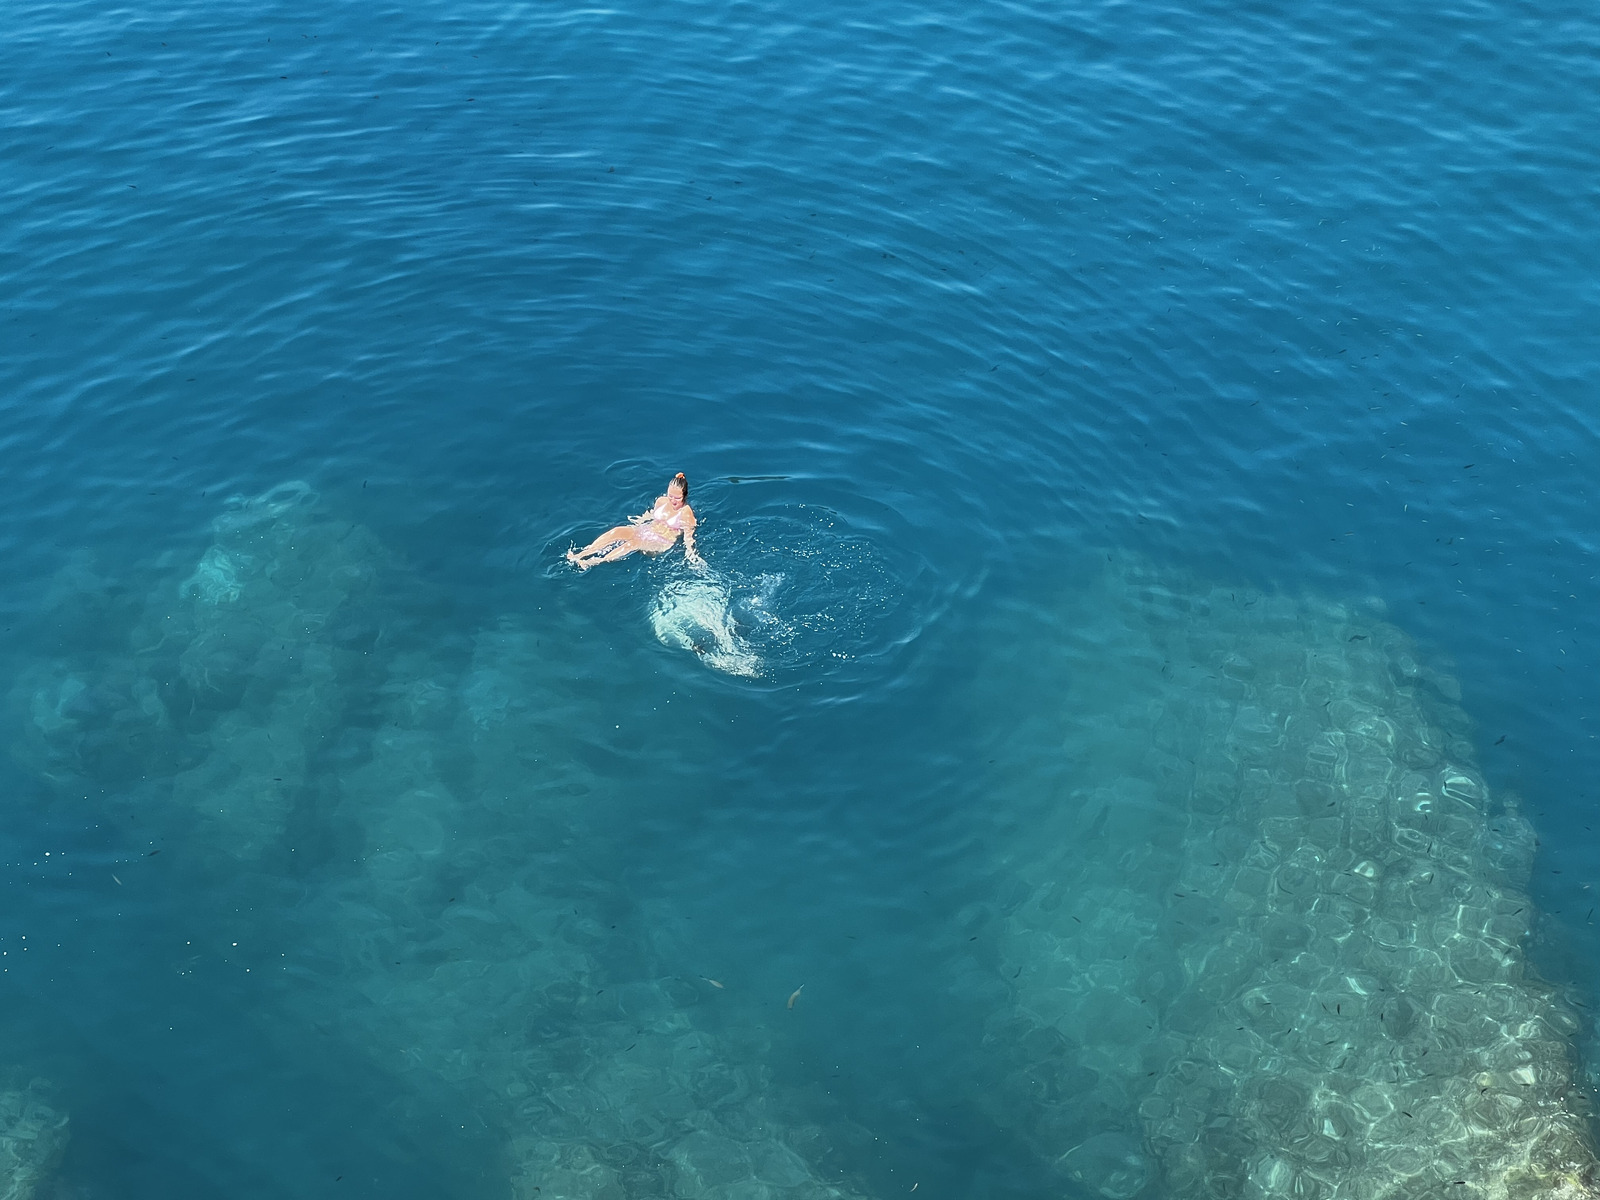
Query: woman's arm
x,y
689,552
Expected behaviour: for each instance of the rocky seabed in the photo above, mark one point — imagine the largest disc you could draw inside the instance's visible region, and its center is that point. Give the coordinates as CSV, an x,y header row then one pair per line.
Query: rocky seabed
x,y
1268,941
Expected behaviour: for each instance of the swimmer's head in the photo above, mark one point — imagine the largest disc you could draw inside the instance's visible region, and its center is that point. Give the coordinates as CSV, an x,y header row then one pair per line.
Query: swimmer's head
x,y
680,482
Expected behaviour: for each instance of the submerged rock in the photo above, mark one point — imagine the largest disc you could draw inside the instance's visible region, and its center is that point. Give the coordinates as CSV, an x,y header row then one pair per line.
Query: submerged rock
x,y
217,693
461,920
1276,946
495,960
617,1084
33,1136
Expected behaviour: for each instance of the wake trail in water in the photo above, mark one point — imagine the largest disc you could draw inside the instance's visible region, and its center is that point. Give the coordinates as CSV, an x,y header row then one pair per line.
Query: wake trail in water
x,y
789,590
697,615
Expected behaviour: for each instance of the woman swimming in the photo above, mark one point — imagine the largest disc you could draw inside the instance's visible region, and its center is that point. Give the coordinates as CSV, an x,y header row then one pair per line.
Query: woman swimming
x,y
651,532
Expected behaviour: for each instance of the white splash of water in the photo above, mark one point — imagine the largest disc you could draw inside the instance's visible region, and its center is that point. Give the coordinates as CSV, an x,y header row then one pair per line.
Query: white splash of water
x,y
697,615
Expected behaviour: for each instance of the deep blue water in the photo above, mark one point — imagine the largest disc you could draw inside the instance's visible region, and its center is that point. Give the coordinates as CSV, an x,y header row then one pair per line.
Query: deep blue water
x,y
938,307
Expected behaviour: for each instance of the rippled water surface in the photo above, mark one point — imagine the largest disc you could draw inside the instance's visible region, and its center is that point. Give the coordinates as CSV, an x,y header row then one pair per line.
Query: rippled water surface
x,y
1145,462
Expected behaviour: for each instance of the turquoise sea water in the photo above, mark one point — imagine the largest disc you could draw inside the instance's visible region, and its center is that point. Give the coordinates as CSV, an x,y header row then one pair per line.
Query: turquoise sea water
x,y
1121,436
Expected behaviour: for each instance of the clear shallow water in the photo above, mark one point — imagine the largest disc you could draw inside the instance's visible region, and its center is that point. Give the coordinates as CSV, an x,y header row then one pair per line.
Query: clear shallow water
x,y
1298,302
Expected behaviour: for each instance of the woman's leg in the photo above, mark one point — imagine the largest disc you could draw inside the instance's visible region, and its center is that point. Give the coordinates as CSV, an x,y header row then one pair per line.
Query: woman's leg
x,y
622,549
612,544
604,542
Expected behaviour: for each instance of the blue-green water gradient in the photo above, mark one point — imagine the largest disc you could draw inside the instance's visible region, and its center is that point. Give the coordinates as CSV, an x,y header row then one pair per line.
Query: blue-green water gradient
x,y
933,303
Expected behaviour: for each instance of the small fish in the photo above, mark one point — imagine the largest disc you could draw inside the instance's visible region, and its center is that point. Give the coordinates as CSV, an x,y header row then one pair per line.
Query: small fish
x,y
716,983
795,995
119,882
